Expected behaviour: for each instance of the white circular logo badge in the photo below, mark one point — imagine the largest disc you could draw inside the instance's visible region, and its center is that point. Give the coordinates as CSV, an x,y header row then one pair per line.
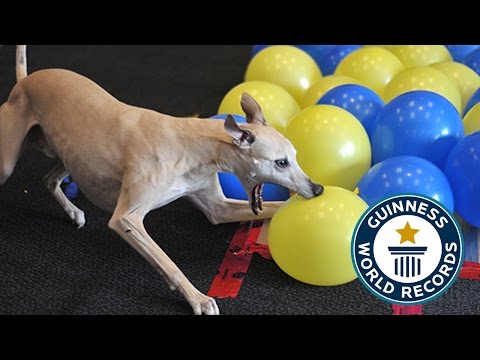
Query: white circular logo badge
x,y
407,250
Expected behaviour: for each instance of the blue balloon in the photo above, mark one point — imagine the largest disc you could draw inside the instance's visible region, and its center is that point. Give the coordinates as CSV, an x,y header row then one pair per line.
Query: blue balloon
x,y
405,175
473,61
474,100
358,100
460,52
317,52
70,188
238,118
329,62
233,188
417,123
257,48
463,172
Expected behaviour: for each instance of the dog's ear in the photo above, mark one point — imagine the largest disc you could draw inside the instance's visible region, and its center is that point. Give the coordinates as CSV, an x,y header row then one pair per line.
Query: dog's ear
x,y
241,137
252,109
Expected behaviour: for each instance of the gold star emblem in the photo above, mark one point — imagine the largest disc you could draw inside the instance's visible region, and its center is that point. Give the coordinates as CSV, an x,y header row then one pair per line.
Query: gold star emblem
x,y
408,234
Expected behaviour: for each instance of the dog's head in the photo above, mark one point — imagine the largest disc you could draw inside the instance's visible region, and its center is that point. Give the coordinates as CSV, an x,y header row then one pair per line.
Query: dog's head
x,y
266,156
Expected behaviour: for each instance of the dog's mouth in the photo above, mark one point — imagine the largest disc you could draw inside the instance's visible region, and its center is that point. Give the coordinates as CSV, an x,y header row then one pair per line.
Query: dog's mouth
x,y
256,202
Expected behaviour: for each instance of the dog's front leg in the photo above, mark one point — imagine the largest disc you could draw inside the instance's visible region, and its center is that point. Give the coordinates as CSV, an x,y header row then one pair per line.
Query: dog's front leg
x,y
220,210
127,221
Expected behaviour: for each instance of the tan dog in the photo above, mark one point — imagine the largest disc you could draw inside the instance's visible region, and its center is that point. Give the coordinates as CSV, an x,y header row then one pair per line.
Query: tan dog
x,y
129,160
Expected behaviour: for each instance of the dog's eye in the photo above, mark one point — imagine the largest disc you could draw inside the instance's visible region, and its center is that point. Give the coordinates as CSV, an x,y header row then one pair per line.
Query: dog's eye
x,y
282,163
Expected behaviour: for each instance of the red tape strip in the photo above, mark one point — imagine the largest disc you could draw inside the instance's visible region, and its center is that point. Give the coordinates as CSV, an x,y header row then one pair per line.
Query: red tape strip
x,y
237,260
261,250
407,310
470,271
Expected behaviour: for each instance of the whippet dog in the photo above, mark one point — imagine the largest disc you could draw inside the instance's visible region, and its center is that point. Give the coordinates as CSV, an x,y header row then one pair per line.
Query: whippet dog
x,y
130,161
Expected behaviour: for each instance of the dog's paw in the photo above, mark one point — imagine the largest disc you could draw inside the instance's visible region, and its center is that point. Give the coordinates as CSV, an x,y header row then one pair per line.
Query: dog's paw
x,y
78,217
204,305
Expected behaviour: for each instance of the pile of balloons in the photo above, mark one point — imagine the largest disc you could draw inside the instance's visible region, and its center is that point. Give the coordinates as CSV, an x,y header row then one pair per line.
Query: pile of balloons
x,y
368,122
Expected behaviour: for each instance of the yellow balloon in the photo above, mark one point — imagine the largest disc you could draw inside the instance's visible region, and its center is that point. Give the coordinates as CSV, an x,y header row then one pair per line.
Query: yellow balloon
x,y
278,106
471,122
373,66
465,79
388,47
424,78
332,145
310,240
420,55
323,86
287,66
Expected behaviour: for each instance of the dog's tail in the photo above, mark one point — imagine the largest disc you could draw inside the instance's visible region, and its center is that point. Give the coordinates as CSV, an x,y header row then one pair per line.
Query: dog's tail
x,y
21,66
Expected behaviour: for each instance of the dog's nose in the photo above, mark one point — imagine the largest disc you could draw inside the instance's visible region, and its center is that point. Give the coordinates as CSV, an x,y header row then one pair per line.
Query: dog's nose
x,y
317,189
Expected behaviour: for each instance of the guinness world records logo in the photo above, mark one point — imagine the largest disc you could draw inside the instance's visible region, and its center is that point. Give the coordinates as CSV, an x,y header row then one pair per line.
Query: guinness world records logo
x,y
407,250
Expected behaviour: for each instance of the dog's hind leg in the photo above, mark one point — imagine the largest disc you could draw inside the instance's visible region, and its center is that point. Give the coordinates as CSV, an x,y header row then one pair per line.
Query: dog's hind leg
x,y
53,181
15,122
220,210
